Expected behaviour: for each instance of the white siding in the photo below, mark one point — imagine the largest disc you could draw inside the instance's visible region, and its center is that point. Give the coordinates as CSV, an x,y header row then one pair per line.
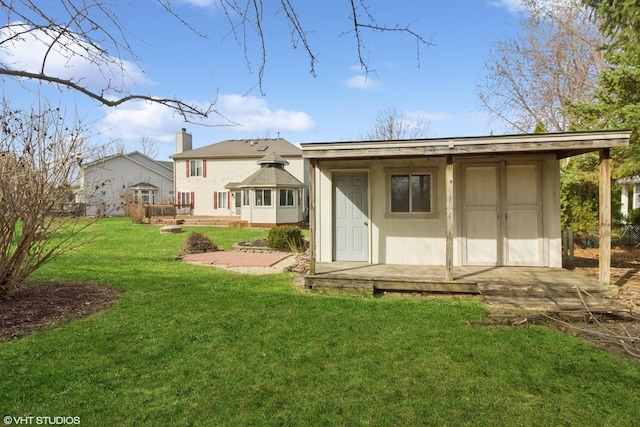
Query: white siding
x,y
421,241
113,176
221,172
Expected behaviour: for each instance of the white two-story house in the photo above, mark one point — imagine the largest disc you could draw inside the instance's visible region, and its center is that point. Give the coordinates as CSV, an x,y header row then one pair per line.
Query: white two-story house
x,y
212,180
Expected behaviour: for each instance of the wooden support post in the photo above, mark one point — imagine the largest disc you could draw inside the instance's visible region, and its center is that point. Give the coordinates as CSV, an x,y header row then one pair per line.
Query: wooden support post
x,y
450,224
312,217
605,217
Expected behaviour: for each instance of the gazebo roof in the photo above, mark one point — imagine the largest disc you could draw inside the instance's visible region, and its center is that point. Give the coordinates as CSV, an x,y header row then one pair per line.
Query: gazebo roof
x,y
272,158
270,177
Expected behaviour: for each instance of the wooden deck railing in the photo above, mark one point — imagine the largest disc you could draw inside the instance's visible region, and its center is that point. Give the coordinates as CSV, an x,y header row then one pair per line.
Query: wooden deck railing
x,y
160,210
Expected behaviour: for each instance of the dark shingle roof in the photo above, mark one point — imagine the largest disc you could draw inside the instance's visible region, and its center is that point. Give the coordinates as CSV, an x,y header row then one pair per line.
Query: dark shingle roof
x,y
243,148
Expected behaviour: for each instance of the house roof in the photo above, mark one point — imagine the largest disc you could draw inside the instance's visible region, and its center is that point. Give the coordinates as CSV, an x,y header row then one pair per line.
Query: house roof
x,y
270,177
564,144
629,180
164,167
242,148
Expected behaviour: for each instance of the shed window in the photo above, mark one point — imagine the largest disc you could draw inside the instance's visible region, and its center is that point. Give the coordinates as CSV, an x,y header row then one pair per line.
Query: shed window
x,y
410,193
263,197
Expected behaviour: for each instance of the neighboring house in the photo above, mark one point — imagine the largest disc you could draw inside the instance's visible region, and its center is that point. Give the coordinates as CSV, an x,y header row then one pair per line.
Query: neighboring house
x,y
475,201
104,182
626,204
227,179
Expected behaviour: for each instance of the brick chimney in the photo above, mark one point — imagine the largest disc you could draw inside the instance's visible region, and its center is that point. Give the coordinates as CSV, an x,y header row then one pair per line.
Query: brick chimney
x,y
184,141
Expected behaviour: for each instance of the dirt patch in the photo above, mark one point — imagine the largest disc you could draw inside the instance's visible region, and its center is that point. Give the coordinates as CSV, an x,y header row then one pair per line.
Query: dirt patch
x,y
625,270
34,307
616,332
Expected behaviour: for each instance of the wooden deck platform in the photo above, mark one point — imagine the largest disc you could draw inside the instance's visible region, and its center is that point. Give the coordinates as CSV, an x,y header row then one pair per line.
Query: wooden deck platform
x,y
554,289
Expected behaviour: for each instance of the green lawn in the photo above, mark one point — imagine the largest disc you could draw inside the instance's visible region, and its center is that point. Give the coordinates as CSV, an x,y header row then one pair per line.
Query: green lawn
x,y
192,345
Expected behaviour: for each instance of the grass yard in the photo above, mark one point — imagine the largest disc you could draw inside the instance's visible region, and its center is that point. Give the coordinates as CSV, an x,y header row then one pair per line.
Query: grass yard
x,y
193,345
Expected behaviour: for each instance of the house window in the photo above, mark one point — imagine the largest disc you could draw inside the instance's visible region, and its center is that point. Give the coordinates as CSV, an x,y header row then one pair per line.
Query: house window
x,y
146,196
223,196
287,197
263,197
410,193
246,201
195,167
185,198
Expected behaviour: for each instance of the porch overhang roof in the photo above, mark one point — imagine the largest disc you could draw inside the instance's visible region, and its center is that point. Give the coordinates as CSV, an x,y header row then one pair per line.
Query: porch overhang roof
x,y
564,144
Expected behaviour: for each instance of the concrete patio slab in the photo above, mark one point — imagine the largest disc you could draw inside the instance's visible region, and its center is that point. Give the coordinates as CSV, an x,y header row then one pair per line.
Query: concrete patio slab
x,y
237,258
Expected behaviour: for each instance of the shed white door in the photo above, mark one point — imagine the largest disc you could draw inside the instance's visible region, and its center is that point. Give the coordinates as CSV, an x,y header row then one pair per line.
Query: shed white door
x,y
351,235
523,215
502,214
480,217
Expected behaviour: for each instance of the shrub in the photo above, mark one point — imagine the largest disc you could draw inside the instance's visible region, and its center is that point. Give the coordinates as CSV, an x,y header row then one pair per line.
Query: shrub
x,y
634,217
286,237
197,243
133,208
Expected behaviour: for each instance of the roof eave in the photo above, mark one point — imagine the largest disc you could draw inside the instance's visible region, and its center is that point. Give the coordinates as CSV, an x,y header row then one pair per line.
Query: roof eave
x,y
561,144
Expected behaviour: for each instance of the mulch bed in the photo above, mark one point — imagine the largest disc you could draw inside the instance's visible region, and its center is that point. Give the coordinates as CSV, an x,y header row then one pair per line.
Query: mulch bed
x,y
38,306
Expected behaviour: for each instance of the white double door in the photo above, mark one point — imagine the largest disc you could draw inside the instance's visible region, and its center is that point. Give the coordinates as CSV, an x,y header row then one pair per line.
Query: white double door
x,y
502,214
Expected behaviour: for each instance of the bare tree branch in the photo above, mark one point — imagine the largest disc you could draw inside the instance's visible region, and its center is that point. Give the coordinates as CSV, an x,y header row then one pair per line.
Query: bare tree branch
x,y
185,110
391,124
372,25
90,31
532,78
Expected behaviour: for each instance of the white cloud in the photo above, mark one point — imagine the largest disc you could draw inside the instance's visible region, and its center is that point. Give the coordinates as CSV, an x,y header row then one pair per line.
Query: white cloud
x,y
362,82
136,119
27,52
254,114
201,3
133,120
518,6
514,6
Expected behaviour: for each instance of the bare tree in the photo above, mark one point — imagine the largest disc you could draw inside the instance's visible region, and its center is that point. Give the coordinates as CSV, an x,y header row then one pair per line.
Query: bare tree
x,y
149,147
90,31
531,79
391,124
40,153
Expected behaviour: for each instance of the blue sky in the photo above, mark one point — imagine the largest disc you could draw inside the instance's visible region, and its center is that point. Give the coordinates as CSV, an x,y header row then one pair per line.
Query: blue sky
x,y
340,103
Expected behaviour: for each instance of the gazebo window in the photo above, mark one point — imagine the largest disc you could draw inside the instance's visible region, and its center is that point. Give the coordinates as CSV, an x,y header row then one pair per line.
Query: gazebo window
x,y
287,197
263,197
